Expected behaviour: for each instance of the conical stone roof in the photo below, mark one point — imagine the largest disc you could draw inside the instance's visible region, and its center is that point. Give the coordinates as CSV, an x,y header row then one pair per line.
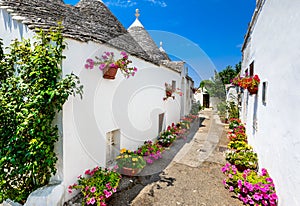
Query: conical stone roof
x,y
89,20
142,37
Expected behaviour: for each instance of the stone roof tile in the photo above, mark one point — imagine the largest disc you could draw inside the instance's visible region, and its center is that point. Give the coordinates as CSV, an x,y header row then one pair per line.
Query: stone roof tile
x,y
89,20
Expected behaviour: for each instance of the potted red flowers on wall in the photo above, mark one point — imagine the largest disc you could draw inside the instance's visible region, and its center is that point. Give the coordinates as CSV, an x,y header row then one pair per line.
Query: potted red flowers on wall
x,y
110,66
250,83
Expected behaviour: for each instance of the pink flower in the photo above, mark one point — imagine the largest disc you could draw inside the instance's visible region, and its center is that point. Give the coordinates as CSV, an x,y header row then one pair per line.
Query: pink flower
x,y
69,191
102,66
87,172
112,65
132,74
135,69
107,193
86,188
92,200
231,189
102,204
114,190
93,189
124,54
108,186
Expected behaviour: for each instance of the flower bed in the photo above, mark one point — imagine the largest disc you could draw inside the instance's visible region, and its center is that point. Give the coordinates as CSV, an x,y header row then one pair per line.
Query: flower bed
x,y
98,185
242,176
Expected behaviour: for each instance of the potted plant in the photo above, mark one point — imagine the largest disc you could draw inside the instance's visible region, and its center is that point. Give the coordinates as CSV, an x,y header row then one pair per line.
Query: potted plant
x,y
151,151
170,91
250,83
96,185
166,138
130,163
110,66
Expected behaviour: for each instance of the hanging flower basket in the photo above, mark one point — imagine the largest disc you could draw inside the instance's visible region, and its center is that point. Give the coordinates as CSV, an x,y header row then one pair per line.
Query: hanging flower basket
x,y
109,72
252,90
110,66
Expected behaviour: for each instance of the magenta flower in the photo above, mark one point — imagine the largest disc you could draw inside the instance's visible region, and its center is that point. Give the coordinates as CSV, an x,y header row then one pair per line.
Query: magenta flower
x,y
114,190
87,172
86,188
264,172
102,204
107,193
93,189
112,65
108,186
92,200
102,66
135,69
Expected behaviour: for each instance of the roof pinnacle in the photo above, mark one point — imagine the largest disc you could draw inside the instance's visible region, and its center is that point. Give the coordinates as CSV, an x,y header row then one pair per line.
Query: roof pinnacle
x,y
137,13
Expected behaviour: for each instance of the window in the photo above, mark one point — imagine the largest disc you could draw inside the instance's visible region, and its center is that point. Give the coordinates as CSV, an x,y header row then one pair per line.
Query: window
x,y
264,92
160,122
112,146
252,69
174,85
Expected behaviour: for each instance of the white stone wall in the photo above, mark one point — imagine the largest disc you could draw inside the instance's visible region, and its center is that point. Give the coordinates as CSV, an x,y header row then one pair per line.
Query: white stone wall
x,y
129,105
273,128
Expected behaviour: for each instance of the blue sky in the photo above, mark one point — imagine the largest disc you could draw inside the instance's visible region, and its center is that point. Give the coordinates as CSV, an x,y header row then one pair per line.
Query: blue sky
x,y
216,26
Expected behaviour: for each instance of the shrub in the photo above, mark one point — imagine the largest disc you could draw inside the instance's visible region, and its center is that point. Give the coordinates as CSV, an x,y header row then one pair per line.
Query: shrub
x,y
244,159
31,94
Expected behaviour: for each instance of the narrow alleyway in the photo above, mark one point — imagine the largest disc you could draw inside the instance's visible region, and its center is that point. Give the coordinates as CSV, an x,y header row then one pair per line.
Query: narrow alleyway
x,y
189,174
195,172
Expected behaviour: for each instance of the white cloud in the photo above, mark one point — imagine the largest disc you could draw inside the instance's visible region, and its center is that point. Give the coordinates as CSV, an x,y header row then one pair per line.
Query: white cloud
x,y
130,3
120,3
158,2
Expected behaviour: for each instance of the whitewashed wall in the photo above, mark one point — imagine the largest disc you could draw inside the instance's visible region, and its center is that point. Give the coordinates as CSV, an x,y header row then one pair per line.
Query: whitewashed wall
x,y
129,105
275,49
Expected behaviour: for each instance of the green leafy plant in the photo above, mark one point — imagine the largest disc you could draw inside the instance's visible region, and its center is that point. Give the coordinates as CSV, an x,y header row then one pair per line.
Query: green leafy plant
x,y
97,185
31,93
239,145
243,159
233,110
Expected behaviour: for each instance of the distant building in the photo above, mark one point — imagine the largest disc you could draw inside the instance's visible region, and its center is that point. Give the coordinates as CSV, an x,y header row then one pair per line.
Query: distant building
x,y
271,50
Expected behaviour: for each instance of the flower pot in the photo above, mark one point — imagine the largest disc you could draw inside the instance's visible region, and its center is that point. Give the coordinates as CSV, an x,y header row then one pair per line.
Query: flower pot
x,y
130,171
252,90
109,72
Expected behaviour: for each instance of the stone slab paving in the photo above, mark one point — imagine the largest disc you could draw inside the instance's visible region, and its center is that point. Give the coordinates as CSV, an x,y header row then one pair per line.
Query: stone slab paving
x,y
195,172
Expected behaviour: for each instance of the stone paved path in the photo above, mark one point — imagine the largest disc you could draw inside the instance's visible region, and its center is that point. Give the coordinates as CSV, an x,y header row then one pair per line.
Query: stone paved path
x,y
195,172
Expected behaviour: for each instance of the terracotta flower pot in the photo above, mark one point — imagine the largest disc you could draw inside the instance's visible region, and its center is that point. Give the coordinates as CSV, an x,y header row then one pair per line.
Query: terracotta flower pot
x,y
130,171
252,90
109,72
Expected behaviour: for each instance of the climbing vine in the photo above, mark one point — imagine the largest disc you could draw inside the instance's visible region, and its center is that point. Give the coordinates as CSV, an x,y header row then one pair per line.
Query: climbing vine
x,y
32,91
